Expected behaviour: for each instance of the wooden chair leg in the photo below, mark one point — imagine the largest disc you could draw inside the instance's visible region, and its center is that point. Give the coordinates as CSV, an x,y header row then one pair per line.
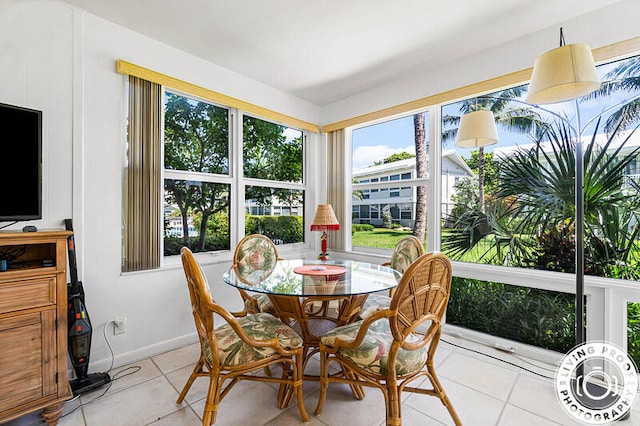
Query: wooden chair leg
x,y
394,416
299,373
196,371
211,403
356,390
324,381
437,386
285,391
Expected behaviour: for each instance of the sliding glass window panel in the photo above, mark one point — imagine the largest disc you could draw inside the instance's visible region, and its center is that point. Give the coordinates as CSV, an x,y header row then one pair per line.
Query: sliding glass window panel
x,y
513,203
384,154
196,135
196,215
196,171
536,317
271,151
285,225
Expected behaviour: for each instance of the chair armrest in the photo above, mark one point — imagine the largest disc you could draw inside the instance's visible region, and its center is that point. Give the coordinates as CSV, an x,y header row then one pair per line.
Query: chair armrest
x,y
230,319
362,331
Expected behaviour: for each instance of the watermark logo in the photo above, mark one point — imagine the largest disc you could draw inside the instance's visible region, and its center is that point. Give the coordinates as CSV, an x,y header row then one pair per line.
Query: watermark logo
x,y
597,383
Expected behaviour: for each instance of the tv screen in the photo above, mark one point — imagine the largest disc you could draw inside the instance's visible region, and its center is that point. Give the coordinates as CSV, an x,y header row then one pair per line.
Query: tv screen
x,y
20,163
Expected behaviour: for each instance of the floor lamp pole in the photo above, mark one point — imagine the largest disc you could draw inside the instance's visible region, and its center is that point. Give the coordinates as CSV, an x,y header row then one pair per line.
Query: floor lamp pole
x,y
579,229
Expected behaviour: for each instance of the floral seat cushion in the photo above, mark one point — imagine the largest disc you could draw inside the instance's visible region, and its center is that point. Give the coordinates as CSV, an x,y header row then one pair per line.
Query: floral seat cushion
x,y
372,354
259,303
262,326
404,254
374,303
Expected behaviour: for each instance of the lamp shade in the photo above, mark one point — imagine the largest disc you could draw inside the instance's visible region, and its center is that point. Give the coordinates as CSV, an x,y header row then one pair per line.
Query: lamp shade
x,y
476,129
325,219
567,72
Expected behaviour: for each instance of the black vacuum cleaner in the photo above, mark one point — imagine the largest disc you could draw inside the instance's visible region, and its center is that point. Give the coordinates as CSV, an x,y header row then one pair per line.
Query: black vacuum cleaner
x,y
79,328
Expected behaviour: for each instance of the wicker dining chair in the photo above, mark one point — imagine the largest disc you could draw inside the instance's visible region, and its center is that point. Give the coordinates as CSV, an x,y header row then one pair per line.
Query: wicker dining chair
x,y
385,351
241,346
406,251
255,258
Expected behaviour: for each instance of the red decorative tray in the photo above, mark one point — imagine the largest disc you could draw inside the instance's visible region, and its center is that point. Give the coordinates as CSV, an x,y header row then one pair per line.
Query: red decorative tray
x,y
320,270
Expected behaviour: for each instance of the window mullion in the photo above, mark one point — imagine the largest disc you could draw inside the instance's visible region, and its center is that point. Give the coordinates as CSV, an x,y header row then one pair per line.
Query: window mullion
x,y
434,188
236,220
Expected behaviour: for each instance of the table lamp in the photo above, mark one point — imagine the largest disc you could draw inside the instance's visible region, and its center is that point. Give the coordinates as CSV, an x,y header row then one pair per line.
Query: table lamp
x,y
324,220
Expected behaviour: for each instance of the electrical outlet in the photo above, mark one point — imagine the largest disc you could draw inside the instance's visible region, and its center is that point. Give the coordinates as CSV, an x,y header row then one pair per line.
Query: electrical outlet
x,y
120,325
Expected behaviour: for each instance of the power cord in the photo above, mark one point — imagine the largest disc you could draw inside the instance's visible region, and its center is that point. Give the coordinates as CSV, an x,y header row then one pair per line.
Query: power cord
x,y
511,363
118,375
503,360
8,224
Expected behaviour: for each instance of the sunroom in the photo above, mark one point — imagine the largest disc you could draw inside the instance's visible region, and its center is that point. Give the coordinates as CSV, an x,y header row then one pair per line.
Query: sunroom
x,y
375,137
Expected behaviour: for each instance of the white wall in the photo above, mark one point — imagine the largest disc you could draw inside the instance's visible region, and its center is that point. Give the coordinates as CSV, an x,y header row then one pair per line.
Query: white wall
x,y
612,24
62,61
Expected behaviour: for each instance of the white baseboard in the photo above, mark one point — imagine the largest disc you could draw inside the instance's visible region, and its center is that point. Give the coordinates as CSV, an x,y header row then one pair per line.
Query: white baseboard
x,y
138,354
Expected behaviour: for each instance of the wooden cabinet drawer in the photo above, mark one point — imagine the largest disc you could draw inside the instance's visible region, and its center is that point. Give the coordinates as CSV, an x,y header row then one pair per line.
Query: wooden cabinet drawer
x,y
27,358
29,293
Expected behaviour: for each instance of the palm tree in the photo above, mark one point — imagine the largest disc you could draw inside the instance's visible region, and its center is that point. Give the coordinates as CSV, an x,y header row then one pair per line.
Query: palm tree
x,y
519,119
535,205
420,223
624,78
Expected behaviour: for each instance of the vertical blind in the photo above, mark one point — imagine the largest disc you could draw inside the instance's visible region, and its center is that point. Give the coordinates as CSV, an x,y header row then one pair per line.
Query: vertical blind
x,y
336,180
142,199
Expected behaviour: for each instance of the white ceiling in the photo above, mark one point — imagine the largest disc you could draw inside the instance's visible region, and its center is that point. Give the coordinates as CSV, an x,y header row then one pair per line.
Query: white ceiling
x,y
326,50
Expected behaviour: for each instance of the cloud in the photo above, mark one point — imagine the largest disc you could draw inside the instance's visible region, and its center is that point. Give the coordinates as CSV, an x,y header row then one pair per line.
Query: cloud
x,y
365,156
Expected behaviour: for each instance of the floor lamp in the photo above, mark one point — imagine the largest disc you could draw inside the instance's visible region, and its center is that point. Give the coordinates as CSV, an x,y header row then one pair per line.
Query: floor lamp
x,y
562,74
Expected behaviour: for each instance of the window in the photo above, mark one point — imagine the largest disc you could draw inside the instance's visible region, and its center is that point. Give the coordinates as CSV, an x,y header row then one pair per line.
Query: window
x,y
496,231
536,231
273,154
385,153
497,217
199,181
196,176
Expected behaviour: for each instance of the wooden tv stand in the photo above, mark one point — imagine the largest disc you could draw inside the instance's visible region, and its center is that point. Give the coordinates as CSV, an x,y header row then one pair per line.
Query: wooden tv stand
x,y
33,325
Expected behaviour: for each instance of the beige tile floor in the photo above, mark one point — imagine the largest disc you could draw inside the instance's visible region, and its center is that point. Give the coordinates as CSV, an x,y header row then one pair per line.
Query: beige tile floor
x,y
485,391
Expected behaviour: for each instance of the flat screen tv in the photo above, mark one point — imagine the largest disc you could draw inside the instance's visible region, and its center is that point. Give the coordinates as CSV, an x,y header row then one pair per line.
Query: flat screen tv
x,y
20,163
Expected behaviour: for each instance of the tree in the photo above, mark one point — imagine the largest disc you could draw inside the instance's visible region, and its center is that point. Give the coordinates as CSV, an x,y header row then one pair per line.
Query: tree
x,y
269,154
465,196
196,140
625,78
399,156
491,170
420,222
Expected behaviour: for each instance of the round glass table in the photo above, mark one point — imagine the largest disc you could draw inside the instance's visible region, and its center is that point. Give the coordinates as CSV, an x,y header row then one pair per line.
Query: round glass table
x,y
307,278
314,297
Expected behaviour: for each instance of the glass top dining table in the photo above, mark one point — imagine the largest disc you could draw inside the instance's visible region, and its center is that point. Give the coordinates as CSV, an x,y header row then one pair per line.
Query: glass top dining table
x,y
314,297
310,277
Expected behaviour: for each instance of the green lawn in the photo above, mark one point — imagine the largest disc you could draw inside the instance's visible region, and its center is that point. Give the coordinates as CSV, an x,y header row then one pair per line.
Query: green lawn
x,y
378,238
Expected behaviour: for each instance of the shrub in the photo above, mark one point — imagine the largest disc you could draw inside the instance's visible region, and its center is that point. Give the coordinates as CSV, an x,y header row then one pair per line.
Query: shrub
x,y
361,227
286,228
536,317
387,220
633,331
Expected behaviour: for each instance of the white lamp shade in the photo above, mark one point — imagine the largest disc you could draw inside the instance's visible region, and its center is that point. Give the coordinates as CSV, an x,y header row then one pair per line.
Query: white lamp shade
x,y
567,72
477,129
